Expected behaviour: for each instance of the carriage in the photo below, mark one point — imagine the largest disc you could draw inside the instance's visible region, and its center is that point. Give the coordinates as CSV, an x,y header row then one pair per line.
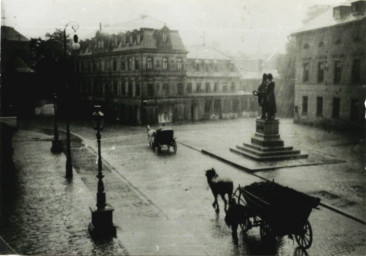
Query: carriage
x,y
163,138
277,210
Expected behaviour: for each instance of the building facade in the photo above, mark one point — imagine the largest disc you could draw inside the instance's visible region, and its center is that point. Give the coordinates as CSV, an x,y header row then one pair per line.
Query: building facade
x,y
331,68
144,76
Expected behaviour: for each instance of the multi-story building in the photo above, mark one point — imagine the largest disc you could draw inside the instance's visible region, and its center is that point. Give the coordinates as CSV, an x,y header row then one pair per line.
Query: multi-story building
x,y
144,75
331,68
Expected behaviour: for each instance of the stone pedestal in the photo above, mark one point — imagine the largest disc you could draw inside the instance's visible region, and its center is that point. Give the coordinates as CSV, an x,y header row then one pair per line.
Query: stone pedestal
x,y
102,222
266,144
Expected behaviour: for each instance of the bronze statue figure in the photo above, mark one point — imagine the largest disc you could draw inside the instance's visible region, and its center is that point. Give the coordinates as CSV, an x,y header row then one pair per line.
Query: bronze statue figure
x,y
266,97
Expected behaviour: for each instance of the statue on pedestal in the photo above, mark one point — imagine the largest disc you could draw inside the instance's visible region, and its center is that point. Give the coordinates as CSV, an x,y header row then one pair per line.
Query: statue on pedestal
x,y
266,97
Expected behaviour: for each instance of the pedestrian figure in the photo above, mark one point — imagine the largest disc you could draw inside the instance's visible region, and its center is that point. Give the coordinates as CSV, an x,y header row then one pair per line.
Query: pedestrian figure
x,y
270,101
235,215
261,94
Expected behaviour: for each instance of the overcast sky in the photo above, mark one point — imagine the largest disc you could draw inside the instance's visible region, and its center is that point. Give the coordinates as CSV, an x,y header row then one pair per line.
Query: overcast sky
x,y
249,26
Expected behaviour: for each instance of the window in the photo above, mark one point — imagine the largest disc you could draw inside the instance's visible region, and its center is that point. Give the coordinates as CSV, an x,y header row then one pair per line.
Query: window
x,y
123,64
197,66
165,63
150,89
337,71
149,63
180,89
233,87
321,66
306,46
356,71
356,110
319,106
321,44
114,65
305,72
189,88
166,89
137,89
130,64
216,87
130,89
304,105
224,87
208,87
137,64
198,87
336,107
180,64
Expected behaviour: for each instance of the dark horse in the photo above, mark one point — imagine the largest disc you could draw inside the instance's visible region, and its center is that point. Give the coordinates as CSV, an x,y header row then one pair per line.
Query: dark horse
x,y
219,186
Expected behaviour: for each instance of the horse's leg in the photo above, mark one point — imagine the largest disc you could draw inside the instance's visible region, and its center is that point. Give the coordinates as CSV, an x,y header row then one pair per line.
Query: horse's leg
x,y
224,199
215,204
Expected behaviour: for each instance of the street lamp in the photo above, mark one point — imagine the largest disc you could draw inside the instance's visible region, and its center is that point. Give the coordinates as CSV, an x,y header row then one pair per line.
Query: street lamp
x,y
75,46
102,216
56,143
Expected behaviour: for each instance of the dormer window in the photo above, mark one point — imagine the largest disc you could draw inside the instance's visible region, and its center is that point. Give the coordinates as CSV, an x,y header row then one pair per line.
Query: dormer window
x,y
138,38
164,37
131,40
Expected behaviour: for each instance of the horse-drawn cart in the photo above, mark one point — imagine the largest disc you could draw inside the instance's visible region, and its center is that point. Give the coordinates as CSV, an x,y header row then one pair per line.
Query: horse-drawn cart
x,y
162,137
277,210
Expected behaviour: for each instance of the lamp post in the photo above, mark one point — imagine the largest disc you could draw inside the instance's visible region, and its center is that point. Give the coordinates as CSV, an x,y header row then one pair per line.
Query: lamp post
x,y
75,46
56,143
102,216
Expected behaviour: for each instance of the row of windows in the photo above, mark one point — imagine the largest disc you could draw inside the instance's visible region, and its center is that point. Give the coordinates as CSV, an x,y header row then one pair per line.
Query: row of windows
x,y
336,106
356,37
129,64
133,89
207,87
211,67
337,71
130,89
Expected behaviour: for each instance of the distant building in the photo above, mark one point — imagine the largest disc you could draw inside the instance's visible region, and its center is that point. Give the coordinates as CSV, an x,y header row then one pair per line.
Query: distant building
x,y
16,76
331,68
144,75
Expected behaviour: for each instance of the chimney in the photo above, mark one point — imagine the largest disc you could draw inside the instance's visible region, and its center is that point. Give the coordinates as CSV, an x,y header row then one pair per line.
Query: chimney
x,y
358,8
341,12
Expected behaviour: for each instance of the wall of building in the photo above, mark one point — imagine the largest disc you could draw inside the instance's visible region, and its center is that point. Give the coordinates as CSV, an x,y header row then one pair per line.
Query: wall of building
x,y
332,52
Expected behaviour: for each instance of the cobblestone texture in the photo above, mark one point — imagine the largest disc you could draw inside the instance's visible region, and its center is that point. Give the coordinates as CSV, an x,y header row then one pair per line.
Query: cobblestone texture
x,y
46,215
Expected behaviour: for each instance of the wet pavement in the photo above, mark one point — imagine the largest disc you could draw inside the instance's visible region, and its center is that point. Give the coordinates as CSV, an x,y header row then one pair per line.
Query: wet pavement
x,y
163,204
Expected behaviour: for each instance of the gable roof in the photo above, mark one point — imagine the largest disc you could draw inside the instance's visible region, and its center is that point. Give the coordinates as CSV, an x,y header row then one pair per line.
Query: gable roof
x,y
10,34
205,53
326,19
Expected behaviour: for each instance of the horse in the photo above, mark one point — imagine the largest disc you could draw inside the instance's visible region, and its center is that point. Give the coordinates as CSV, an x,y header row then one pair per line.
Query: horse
x,y
219,186
150,134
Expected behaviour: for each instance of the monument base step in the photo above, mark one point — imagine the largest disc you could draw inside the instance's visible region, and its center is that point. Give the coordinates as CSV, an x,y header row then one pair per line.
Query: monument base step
x,y
291,154
274,152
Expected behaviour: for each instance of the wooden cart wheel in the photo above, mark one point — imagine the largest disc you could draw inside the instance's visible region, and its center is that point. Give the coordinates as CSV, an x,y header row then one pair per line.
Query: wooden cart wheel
x,y
265,230
305,238
246,225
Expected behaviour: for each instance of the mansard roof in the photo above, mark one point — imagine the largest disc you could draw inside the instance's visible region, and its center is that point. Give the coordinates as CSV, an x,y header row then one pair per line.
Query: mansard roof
x,y
142,38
